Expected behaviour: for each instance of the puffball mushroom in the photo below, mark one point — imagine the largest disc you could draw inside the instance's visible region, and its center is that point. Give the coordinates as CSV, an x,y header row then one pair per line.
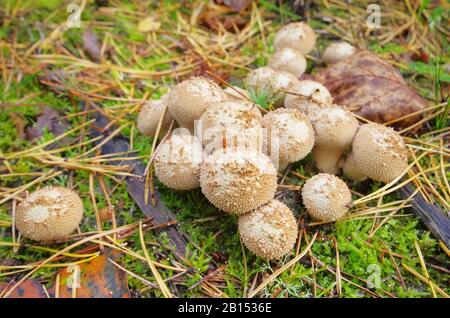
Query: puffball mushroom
x,y
238,180
334,126
293,131
232,124
297,35
235,93
379,152
49,214
288,60
308,97
189,99
266,81
150,114
338,51
177,162
326,197
269,231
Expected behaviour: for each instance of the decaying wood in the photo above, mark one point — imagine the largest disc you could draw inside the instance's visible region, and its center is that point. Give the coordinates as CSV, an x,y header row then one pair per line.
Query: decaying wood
x,y
430,214
159,213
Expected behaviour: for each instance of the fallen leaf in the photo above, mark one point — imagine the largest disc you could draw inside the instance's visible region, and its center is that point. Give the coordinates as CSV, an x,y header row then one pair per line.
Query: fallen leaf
x,y
99,278
149,24
48,119
372,88
92,46
29,288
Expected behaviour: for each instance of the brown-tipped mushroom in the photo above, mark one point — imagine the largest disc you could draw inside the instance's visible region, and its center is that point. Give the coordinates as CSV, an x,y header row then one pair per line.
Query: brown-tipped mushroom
x,y
338,51
269,231
235,124
308,97
288,60
334,127
293,132
238,180
378,152
189,99
297,35
150,115
326,197
177,162
48,214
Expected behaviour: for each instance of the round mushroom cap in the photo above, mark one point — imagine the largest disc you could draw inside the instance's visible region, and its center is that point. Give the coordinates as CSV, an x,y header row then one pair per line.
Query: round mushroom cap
x,y
334,125
297,35
177,162
294,133
189,99
308,97
351,169
265,81
234,124
238,180
288,60
380,152
338,51
49,214
269,231
150,114
235,93
326,197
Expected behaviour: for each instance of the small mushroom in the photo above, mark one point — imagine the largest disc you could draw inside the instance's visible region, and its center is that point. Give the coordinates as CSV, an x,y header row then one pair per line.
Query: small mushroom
x,y
293,132
334,127
269,231
150,115
265,81
288,60
308,97
338,51
189,99
238,180
378,152
297,35
326,197
234,124
177,162
235,93
49,214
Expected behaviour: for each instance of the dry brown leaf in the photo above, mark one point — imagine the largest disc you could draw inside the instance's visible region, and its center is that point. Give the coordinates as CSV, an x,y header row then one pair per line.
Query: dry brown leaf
x,y
99,278
29,288
92,46
372,88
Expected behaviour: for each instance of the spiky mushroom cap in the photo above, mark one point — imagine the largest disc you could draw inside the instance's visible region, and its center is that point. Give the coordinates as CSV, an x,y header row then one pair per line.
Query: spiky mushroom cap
x,y
338,51
269,231
177,162
238,180
297,35
288,60
293,131
309,96
326,197
234,124
189,99
380,152
49,214
150,114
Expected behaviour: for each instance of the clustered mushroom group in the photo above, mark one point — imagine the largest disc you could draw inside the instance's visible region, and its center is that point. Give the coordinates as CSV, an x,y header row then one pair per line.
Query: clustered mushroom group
x,y
231,148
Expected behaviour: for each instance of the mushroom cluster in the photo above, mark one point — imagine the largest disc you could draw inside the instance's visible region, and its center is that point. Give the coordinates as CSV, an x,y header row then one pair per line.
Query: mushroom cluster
x,y
238,148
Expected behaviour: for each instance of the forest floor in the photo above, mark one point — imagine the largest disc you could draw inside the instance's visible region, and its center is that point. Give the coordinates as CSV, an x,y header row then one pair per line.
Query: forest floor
x,y
126,52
